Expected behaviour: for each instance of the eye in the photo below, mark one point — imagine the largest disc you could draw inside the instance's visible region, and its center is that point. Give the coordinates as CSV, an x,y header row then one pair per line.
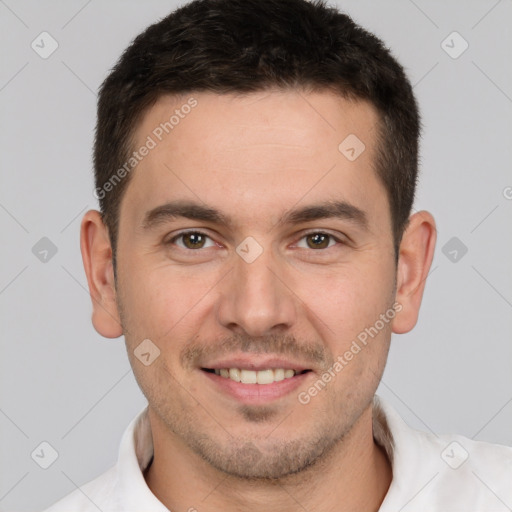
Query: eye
x,y
192,240
317,240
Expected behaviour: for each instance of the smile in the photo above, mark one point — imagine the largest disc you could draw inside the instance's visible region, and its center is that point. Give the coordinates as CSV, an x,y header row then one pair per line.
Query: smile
x,y
266,376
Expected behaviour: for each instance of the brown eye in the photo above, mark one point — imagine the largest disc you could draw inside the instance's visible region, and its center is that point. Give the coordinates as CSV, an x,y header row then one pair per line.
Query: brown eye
x,y
318,240
192,240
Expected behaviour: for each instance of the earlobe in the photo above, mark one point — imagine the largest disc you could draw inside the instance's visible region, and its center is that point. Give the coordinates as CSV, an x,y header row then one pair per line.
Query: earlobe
x,y
97,259
415,258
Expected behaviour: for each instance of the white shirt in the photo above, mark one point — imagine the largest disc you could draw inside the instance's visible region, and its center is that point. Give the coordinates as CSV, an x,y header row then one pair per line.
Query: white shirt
x,y
431,473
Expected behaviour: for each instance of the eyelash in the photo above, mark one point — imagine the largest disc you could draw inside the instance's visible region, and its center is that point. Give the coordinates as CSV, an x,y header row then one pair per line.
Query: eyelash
x,y
196,232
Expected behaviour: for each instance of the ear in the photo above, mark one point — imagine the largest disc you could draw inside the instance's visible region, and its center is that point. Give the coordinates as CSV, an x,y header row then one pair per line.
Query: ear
x,y
97,259
415,257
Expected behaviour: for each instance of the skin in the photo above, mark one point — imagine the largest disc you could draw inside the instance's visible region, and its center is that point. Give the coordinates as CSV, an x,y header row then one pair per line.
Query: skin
x,y
255,158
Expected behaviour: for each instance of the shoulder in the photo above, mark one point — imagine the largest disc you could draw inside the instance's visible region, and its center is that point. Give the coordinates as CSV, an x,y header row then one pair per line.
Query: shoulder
x,y
447,473
465,474
479,472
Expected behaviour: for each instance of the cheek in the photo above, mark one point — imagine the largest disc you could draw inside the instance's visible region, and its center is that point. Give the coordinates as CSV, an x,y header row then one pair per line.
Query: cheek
x,y
161,301
343,302
347,315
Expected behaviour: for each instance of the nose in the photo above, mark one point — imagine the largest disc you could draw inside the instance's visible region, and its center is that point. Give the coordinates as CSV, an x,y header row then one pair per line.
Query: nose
x,y
255,299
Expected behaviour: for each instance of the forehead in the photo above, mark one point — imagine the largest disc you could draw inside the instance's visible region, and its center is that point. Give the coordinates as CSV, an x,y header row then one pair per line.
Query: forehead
x,y
220,122
249,152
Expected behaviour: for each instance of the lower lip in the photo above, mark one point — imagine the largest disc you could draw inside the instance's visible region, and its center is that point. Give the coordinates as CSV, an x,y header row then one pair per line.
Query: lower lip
x,y
257,393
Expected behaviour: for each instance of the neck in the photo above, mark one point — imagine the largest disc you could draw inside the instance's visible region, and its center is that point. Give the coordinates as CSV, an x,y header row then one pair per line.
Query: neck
x,y
354,476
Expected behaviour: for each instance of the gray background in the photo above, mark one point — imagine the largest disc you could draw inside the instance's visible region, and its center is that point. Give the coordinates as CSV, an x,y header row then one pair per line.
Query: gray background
x,y
64,384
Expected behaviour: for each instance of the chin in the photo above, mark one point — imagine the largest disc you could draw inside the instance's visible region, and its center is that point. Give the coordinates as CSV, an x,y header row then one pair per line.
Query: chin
x,y
264,459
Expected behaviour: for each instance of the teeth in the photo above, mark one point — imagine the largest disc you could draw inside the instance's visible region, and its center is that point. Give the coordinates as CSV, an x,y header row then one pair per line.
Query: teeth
x,y
255,377
248,377
234,374
265,376
278,374
289,373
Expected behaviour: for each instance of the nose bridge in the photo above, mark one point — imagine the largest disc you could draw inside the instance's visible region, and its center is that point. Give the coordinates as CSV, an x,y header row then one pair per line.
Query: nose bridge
x,y
254,299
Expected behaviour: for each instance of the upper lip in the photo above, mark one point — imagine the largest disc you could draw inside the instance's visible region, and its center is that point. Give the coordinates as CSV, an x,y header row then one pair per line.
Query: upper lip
x,y
255,363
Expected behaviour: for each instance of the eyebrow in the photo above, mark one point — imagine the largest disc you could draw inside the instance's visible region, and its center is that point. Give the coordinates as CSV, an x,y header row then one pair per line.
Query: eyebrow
x,y
185,209
326,210
195,211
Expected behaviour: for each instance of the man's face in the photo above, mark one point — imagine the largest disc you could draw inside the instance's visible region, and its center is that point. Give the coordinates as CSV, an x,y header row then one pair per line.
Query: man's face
x,y
249,241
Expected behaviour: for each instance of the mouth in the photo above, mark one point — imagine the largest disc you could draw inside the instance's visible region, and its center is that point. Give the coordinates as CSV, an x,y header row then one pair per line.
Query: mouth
x,y
254,382
247,376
